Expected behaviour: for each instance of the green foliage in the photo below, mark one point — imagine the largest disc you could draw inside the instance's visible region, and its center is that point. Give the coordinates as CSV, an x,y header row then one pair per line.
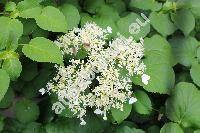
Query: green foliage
x,y
8,99
127,129
194,72
29,8
10,32
171,128
184,49
146,4
143,104
183,106
184,20
51,19
26,111
33,127
30,71
43,50
119,115
162,23
4,83
71,15
92,5
13,67
158,60
124,23
10,6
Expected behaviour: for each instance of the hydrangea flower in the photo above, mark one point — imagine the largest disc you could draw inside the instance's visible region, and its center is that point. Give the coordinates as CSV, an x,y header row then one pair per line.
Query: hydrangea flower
x,y
101,81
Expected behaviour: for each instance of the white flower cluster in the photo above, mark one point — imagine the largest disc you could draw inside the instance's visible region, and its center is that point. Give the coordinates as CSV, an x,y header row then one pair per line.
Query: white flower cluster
x,y
102,81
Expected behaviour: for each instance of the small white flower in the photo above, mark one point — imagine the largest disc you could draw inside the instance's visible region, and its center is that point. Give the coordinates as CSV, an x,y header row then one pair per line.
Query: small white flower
x,y
132,100
105,118
42,91
82,122
109,29
98,111
145,78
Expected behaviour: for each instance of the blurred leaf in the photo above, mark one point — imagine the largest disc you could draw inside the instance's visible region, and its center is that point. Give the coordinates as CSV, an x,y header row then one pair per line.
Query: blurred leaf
x,y
43,50
146,4
92,5
26,111
127,129
8,99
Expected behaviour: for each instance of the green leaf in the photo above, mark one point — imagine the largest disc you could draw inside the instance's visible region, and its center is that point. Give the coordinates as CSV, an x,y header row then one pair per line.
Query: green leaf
x,y
38,32
10,6
158,59
8,99
124,23
162,77
104,22
1,123
29,26
32,127
108,12
51,19
26,111
126,129
119,115
183,105
71,15
153,129
162,23
4,83
159,46
29,8
184,20
82,53
30,71
184,49
85,18
198,53
8,55
143,104
119,5
92,5
29,91
68,125
197,131
146,4
10,31
195,73
13,67
43,50
171,128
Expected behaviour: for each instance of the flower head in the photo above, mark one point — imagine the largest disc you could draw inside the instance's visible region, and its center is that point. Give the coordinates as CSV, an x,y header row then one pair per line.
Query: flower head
x,y
103,81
